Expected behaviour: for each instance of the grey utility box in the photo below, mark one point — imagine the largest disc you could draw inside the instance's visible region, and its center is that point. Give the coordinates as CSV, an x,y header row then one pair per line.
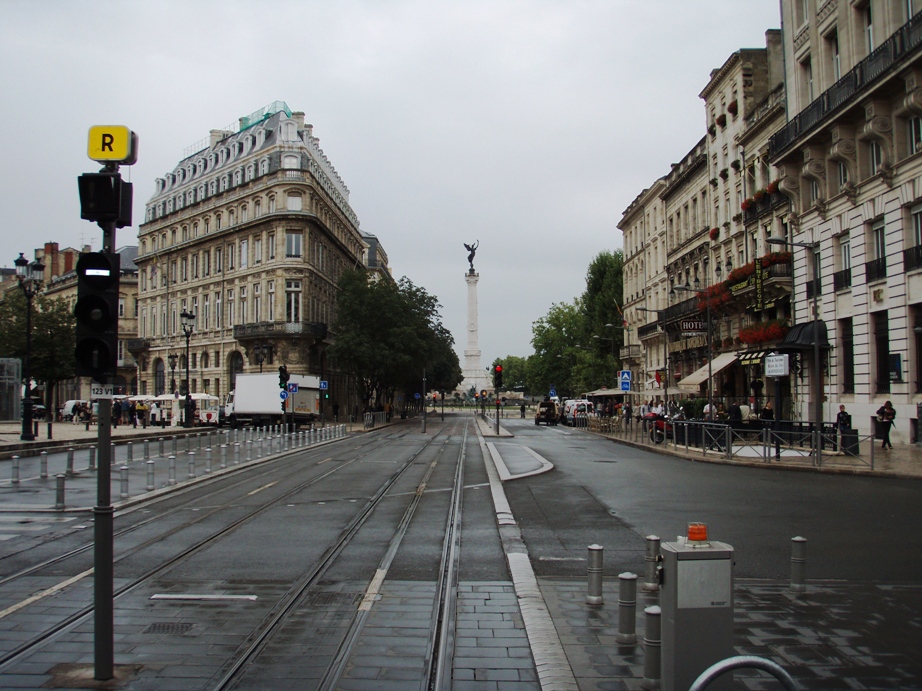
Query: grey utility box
x,y
697,612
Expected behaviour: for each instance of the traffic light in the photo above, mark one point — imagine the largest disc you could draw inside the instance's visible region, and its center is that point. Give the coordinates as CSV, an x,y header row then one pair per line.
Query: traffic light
x,y
96,312
105,197
498,377
283,377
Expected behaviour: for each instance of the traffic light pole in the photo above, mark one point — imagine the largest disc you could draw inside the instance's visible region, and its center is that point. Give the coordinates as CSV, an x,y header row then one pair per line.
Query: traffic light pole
x,y
103,515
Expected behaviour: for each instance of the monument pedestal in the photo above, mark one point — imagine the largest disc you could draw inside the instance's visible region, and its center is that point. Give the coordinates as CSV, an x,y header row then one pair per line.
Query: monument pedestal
x,y
474,374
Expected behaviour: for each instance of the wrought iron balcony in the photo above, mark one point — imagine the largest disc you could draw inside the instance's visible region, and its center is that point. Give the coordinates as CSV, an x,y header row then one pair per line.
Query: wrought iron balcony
x,y
682,309
137,345
887,58
876,269
912,258
314,330
648,330
633,351
842,279
814,286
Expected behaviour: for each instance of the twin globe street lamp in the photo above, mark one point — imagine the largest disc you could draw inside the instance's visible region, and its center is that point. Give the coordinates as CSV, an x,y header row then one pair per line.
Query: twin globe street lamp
x,y
30,275
187,320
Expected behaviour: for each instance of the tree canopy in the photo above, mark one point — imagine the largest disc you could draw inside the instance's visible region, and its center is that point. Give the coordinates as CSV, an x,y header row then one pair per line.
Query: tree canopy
x,y
388,334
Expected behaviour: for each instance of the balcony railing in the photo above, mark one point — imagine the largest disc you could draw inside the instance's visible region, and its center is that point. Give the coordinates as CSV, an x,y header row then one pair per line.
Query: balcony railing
x,y
885,59
682,309
842,279
814,286
876,269
137,345
768,203
316,330
912,258
630,351
648,329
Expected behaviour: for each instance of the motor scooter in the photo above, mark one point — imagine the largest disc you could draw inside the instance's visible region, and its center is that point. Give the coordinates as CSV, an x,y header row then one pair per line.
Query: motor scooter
x,y
661,426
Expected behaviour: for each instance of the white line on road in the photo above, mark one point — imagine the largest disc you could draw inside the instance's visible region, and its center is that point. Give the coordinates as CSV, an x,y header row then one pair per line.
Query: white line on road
x,y
260,489
45,593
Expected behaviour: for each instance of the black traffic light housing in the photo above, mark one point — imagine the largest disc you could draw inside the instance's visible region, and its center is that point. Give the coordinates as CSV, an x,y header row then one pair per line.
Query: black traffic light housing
x,y
284,376
498,377
96,312
104,198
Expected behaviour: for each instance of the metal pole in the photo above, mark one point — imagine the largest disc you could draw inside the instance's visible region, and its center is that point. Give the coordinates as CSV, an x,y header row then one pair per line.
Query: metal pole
x,y
43,465
130,447
191,475
147,449
123,477
70,462
627,609
171,477
92,461
103,582
208,460
236,453
594,594
223,456
59,492
15,478
161,451
150,476
652,559
798,564
652,648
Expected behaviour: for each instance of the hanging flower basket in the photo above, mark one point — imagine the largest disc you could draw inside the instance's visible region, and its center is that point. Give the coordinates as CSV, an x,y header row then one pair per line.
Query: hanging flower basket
x,y
772,187
763,332
746,204
759,195
735,164
722,120
724,174
733,108
714,234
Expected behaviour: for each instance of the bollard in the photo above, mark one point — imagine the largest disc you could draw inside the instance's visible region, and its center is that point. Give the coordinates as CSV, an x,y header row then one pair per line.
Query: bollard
x,y
208,460
798,564
130,451
160,442
236,452
236,435
150,476
191,455
174,444
147,449
43,465
59,493
594,596
70,462
172,471
123,477
652,558
92,461
249,444
627,609
49,430
270,445
223,455
15,477
652,648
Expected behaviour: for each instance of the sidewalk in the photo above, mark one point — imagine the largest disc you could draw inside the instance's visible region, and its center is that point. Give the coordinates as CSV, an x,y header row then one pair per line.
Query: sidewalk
x,y
904,461
66,434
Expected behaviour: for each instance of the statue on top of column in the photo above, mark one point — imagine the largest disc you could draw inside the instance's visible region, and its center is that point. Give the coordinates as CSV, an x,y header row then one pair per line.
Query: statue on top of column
x,y
473,250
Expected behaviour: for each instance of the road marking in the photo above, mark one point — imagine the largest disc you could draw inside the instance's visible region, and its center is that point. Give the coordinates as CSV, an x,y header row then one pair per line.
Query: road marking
x,y
324,460
250,494
561,559
373,589
192,596
45,593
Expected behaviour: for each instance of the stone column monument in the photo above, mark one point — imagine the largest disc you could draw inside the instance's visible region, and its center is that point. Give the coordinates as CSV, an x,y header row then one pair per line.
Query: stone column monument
x,y
474,373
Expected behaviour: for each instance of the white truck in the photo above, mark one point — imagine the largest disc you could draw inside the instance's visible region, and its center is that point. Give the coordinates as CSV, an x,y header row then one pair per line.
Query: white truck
x,y
255,400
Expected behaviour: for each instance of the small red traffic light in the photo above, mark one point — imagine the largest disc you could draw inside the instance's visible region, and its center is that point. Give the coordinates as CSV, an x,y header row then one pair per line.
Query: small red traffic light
x,y
499,368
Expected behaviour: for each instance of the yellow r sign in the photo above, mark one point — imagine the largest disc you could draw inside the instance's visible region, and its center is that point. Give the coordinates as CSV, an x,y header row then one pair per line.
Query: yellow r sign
x,y
112,143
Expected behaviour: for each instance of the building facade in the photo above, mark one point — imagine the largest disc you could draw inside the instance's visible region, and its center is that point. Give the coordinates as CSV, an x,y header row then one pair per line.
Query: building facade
x,y
849,159
249,233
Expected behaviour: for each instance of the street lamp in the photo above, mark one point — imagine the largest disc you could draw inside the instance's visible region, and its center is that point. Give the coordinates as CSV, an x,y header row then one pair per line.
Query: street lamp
x,y
172,357
30,282
260,352
188,324
818,376
613,359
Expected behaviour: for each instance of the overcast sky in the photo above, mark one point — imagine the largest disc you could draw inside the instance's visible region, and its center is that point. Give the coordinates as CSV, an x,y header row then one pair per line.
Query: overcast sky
x,y
527,125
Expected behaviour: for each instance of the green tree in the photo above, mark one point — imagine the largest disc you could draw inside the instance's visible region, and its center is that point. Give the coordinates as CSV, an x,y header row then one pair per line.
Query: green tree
x,y
601,301
388,333
515,372
53,338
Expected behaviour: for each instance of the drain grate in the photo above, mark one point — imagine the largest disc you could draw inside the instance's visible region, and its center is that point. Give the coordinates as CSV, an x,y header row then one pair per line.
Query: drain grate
x,y
334,599
170,628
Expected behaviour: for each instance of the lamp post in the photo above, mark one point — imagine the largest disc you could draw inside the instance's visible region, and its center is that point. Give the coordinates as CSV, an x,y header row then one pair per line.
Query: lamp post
x,y
614,361
260,352
188,324
30,282
818,376
662,313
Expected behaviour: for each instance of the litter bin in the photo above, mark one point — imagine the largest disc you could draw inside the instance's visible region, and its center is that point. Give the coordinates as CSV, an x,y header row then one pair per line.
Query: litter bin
x,y
850,442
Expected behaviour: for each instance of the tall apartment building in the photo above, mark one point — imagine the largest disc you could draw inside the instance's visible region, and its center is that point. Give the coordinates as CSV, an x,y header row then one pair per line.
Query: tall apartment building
x,y
250,233
850,161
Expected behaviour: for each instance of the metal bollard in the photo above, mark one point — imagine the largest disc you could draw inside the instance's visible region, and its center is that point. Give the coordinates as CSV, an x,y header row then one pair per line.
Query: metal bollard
x,y
236,452
798,564
59,492
191,455
160,442
150,476
70,462
172,471
627,609
249,444
147,449
652,648
236,435
123,477
15,477
652,558
130,447
43,465
92,461
223,455
208,460
594,596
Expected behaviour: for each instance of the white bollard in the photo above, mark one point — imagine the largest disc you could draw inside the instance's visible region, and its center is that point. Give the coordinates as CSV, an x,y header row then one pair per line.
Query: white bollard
x,y
123,476
43,465
150,476
191,465
172,471
15,477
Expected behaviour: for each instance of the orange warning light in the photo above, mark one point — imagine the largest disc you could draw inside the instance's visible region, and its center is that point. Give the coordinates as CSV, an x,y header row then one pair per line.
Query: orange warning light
x,y
697,532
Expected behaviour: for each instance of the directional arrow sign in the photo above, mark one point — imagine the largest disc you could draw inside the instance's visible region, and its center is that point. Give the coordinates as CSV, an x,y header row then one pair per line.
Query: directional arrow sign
x,y
283,395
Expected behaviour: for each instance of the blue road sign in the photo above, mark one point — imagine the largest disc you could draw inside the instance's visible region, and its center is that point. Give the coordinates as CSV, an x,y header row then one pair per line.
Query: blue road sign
x,y
553,393
324,385
283,395
625,376
625,386
416,396
292,387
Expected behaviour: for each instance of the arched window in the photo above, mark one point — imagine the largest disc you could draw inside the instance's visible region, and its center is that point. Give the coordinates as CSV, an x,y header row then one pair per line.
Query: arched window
x,y
159,377
235,367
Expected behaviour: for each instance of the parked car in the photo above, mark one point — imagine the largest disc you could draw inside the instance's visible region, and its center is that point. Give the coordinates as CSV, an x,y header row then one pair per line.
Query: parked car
x,y
546,412
67,410
576,411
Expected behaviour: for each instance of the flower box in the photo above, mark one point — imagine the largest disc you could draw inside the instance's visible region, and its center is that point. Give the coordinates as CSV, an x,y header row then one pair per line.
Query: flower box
x,y
724,174
759,195
733,108
772,187
746,204
721,120
714,234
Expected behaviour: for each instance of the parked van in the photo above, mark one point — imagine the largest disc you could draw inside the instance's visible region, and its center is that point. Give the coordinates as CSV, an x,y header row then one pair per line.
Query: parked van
x,y
576,410
546,412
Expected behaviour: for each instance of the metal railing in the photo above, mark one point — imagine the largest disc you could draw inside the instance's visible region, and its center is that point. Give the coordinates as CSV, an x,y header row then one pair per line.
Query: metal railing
x,y
876,269
912,258
842,279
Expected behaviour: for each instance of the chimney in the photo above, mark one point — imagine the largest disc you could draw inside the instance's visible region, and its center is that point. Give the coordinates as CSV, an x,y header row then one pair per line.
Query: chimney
x,y
298,117
215,136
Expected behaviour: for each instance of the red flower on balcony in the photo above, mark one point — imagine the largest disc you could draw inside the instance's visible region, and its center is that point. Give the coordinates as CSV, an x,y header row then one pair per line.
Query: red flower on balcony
x,y
772,187
714,234
746,204
722,120
759,195
764,332
733,108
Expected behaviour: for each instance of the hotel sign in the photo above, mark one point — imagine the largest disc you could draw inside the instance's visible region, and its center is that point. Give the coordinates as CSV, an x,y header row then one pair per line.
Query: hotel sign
x,y
756,280
692,327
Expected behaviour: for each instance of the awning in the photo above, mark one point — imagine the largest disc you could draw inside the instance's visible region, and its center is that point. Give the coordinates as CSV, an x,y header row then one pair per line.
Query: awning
x,y
800,337
753,358
693,381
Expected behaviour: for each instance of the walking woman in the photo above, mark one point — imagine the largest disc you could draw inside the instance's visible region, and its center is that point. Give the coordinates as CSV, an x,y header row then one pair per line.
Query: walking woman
x,y
885,417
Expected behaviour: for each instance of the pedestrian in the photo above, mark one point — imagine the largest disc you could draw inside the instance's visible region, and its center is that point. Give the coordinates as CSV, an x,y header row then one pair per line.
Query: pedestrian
x,y
522,409
628,411
843,425
336,412
885,417
736,413
133,414
767,415
154,414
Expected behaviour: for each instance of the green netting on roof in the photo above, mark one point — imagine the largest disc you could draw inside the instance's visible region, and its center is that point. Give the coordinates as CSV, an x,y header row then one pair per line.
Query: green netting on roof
x,y
263,113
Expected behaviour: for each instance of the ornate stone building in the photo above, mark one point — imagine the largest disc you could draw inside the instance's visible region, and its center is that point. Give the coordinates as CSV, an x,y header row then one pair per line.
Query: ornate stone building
x,y
250,233
850,161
